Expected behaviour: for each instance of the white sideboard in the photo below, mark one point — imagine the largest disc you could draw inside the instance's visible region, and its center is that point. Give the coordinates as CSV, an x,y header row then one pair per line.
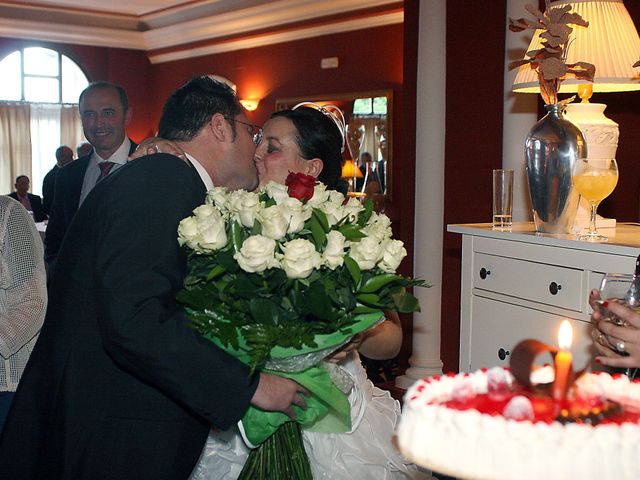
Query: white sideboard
x,y
521,284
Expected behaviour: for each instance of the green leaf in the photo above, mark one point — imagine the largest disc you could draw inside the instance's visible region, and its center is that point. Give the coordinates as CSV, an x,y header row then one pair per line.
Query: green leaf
x,y
351,231
236,236
376,283
405,302
365,215
215,272
318,233
322,219
370,300
354,269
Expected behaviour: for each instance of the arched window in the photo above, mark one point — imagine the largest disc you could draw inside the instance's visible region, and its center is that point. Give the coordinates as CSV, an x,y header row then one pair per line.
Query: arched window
x,y
39,90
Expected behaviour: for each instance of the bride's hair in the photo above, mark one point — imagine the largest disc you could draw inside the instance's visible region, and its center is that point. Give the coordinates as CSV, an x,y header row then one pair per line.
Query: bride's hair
x,y
319,136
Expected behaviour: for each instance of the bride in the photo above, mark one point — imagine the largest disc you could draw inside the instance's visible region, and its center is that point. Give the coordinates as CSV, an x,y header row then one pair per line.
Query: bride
x,y
310,139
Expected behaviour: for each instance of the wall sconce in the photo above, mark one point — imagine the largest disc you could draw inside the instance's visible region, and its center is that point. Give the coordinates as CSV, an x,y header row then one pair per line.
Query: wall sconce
x,y
250,104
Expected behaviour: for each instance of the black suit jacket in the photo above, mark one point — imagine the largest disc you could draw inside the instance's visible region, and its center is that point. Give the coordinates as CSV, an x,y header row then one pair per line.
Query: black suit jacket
x,y
68,188
48,186
36,205
118,386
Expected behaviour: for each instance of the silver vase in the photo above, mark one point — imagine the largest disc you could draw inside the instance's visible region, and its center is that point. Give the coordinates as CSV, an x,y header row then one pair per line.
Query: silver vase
x,y
551,148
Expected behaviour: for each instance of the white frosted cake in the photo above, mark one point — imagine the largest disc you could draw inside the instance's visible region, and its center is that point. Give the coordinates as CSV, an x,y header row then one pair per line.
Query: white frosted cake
x,y
484,426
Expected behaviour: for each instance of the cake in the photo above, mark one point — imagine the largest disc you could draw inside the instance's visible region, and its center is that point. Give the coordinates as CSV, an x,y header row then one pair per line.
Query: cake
x,y
484,426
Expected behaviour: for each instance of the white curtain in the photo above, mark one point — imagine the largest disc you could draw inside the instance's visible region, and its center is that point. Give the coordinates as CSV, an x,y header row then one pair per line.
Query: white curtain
x,y
71,127
45,139
15,144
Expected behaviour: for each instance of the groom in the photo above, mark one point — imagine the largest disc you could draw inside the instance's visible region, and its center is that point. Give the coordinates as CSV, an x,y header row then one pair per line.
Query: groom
x,y
118,386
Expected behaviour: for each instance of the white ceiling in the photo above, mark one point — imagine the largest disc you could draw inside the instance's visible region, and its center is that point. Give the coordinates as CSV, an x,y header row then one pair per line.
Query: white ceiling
x,y
164,28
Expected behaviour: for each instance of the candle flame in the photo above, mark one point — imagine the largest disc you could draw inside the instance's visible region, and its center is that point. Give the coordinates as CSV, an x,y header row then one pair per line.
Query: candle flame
x,y
565,335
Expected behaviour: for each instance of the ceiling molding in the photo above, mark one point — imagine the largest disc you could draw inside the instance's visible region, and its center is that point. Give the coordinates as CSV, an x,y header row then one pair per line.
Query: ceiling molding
x,y
208,26
280,37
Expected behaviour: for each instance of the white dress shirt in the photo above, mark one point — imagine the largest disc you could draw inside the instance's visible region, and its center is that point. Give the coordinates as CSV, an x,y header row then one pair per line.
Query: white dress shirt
x,y
92,174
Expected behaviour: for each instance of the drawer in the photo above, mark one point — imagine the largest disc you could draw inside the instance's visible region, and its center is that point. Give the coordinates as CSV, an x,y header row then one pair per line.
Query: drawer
x,y
537,282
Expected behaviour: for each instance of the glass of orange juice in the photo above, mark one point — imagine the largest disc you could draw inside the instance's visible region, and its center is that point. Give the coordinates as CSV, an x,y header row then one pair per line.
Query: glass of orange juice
x,y
594,179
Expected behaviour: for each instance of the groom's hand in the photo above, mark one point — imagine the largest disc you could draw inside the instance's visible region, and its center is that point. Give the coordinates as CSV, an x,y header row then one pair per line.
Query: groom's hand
x,y
279,394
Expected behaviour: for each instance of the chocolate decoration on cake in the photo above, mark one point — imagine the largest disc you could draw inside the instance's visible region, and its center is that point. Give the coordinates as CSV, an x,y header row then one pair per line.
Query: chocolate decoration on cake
x,y
522,363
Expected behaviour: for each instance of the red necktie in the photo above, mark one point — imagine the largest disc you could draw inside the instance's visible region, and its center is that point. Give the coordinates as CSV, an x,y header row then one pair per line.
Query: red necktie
x,y
105,168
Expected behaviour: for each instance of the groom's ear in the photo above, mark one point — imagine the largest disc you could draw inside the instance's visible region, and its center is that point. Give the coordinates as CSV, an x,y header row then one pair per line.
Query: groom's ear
x,y
220,128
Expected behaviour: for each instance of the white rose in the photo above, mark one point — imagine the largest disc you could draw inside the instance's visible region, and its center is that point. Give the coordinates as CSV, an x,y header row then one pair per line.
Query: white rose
x,y
274,224
188,232
336,197
296,213
299,258
256,254
352,208
367,252
277,191
244,206
333,254
333,211
393,252
320,195
211,231
378,227
204,211
218,196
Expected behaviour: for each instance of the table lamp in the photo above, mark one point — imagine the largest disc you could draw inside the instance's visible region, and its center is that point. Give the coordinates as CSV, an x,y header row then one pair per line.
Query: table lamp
x,y
350,171
611,43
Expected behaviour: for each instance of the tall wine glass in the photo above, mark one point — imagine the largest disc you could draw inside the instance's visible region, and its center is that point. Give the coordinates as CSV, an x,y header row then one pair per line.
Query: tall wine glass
x,y
594,179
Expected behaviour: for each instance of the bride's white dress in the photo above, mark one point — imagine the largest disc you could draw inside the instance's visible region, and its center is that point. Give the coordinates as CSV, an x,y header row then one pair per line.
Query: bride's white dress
x,y
365,453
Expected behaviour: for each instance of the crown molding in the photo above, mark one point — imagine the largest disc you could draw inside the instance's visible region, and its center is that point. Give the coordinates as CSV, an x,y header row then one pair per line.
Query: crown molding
x,y
280,37
212,22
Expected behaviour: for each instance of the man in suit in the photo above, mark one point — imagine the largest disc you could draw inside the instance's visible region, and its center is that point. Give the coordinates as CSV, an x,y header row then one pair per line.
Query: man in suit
x,y
105,114
64,155
33,203
118,386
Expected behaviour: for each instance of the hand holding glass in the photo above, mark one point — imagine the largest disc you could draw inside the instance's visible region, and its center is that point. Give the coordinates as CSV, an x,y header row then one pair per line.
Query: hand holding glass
x,y
594,179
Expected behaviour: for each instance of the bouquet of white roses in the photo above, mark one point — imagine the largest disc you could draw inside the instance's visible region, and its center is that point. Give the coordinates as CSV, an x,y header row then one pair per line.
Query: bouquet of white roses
x,y
283,277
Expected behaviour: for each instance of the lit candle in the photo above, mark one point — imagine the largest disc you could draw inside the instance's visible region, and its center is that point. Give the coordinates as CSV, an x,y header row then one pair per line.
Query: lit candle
x,y
563,361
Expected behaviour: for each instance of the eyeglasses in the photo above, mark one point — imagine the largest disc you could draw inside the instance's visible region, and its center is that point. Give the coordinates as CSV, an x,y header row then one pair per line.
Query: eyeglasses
x,y
255,131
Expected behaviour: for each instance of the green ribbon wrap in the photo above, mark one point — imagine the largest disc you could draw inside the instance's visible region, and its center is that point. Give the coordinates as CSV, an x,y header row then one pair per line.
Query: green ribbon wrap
x,y
327,406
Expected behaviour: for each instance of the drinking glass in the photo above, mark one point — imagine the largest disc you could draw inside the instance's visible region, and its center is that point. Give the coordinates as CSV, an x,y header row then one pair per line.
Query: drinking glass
x,y
621,288
594,179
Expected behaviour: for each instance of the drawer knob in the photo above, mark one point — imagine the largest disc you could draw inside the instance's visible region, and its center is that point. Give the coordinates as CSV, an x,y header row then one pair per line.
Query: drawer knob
x,y
503,354
554,288
484,273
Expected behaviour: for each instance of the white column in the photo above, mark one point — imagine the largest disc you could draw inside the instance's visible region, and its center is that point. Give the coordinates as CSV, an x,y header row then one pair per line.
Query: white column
x,y
520,114
430,130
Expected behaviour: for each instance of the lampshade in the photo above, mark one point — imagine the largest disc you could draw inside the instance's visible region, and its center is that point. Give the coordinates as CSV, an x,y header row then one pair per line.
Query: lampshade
x,y
250,104
610,42
351,170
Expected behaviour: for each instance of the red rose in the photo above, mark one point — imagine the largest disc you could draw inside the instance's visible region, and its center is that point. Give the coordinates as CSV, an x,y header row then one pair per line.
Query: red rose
x,y
300,186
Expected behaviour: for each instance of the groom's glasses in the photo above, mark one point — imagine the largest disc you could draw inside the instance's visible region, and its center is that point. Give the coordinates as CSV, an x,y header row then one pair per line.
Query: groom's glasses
x,y
254,130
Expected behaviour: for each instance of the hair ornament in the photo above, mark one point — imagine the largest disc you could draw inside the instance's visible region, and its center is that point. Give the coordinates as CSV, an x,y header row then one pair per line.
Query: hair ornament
x,y
336,116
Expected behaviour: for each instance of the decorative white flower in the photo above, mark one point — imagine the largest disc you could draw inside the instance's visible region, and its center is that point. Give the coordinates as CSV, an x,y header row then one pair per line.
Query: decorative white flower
x,y
393,252
352,208
333,254
274,223
299,258
333,211
378,226
218,196
296,213
336,197
277,191
244,206
256,254
367,253
205,231
320,195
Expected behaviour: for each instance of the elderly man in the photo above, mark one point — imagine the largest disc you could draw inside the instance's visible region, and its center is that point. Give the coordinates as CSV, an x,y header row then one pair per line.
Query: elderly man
x,y
105,113
64,155
118,386
33,203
